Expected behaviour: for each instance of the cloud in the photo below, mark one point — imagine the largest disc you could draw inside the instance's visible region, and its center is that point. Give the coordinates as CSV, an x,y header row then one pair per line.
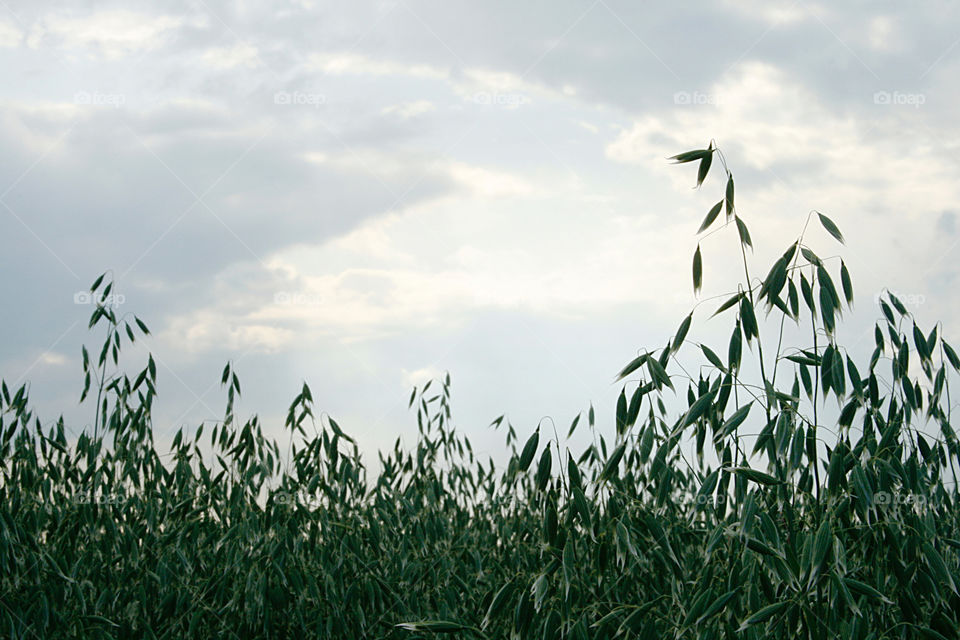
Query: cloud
x,y
771,123
348,63
111,34
408,110
420,377
10,36
54,359
348,193
487,182
239,55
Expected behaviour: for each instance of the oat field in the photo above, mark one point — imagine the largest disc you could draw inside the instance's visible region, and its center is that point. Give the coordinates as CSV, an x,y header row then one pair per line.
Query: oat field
x,y
772,490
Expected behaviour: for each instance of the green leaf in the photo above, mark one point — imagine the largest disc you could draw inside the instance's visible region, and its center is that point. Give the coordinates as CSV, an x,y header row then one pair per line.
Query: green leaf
x,y
734,299
711,216
735,349
497,603
734,421
756,476
938,567
743,232
690,156
929,633
704,168
582,507
764,614
622,412
811,257
529,449
951,355
613,461
433,626
846,283
658,372
821,545
830,227
569,563
827,310
697,271
573,472
728,197
623,539
681,333
712,357
716,606
864,589
634,364
750,328
544,467
646,443
698,408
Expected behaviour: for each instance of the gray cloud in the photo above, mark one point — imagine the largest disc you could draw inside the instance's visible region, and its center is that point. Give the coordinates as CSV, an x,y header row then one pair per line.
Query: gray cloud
x,y
525,189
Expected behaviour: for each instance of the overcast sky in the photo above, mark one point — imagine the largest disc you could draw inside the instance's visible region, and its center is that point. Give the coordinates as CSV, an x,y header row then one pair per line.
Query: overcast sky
x,y
362,195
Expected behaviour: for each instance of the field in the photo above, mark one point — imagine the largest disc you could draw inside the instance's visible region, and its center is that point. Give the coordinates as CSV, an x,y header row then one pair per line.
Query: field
x,y
814,499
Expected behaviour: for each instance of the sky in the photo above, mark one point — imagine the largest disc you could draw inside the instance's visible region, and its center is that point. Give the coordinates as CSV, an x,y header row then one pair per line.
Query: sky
x,y
363,196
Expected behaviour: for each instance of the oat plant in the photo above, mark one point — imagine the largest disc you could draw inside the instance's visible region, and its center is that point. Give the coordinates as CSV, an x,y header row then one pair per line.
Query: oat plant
x,y
755,489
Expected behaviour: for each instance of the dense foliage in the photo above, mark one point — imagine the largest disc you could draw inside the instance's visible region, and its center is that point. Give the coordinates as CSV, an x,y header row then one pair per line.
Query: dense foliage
x,y
794,494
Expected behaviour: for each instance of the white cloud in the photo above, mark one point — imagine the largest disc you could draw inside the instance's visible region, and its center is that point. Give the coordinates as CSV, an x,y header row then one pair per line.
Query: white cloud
x,y
490,182
592,128
776,14
358,64
239,55
481,85
54,359
409,110
112,34
481,181
10,36
420,376
771,121
214,329
883,35
502,88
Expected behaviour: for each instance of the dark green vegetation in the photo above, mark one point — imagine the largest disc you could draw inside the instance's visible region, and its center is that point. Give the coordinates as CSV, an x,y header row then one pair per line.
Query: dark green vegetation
x,y
795,495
